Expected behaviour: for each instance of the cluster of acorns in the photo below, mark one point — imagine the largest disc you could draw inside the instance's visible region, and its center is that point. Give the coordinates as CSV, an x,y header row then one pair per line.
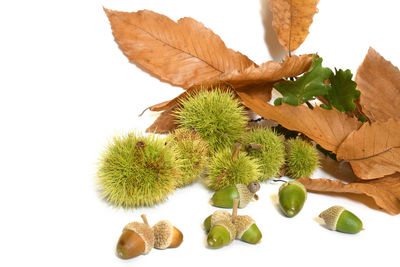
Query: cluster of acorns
x,y
213,139
223,228
139,238
292,196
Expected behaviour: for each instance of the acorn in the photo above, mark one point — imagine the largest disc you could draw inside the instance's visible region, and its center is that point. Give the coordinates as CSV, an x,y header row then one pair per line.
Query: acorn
x,y
246,229
222,231
292,196
216,216
224,197
339,219
136,239
166,235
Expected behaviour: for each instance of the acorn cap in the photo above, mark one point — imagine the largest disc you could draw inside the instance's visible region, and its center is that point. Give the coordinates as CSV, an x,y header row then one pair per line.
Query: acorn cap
x,y
242,224
166,235
145,232
224,218
245,195
220,215
331,216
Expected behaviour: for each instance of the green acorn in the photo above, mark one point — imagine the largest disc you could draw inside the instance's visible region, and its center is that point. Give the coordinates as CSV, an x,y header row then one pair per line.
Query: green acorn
x,y
222,231
302,158
207,223
246,229
231,167
192,152
224,197
215,115
137,171
339,219
218,215
292,196
268,147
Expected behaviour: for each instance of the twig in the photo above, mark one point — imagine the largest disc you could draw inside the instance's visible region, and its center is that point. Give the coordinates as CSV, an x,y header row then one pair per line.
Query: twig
x,y
221,176
236,152
309,105
140,115
234,209
256,146
144,218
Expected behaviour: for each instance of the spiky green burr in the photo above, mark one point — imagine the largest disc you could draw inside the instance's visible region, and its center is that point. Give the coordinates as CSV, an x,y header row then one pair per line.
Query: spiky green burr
x,y
136,171
269,148
302,158
192,152
230,167
216,115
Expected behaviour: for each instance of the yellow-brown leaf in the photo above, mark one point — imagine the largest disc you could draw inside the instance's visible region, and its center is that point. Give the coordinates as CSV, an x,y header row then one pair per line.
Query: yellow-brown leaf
x,y
375,167
326,127
252,78
207,85
291,21
384,191
268,72
379,83
165,123
182,53
373,150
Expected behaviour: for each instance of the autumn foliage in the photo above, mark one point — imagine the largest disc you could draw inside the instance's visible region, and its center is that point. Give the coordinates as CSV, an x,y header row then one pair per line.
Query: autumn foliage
x,y
189,55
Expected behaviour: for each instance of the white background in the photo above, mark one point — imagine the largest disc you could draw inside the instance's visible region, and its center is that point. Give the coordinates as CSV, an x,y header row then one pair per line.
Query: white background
x,y
66,90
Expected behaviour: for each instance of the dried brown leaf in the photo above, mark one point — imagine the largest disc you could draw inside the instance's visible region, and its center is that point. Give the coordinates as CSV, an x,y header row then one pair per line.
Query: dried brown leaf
x,y
291,21
379,83
165,123
268,72
326,127
252,78
182,53
373,150
384,164
384,191
214,83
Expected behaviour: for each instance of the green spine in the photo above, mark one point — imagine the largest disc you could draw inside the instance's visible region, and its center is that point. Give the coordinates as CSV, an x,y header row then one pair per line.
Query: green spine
x,y
137,171
215,115
271,153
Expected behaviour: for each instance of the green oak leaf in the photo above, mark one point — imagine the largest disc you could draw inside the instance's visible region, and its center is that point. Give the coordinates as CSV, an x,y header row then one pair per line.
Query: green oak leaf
x,y
306,87
343,91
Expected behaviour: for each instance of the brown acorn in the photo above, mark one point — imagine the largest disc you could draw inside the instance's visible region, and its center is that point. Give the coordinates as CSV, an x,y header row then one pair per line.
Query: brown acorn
x,y
166,235
136,239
